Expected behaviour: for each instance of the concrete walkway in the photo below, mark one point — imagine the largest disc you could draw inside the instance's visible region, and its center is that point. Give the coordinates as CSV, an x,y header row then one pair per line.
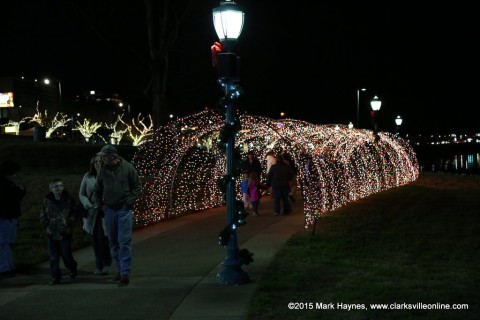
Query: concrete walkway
x,y
173,276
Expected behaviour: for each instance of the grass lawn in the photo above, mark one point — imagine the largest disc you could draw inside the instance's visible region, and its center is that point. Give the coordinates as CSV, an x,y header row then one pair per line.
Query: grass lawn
x,y
414,244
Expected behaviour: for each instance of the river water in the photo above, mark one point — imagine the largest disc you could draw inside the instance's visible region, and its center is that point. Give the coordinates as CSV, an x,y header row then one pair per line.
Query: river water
x,y
457,163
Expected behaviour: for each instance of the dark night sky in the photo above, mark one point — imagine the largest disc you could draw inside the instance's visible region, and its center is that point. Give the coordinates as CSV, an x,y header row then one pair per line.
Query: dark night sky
x,y
308,62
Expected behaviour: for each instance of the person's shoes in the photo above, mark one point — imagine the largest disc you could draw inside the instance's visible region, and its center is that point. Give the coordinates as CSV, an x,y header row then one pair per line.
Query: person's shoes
x,y
7,274
72,275
105,270
124,281
117,277
97,272
276,214
53,281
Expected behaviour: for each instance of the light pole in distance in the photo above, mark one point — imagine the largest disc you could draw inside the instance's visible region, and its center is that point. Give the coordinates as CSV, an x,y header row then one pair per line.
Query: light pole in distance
x,y
358,106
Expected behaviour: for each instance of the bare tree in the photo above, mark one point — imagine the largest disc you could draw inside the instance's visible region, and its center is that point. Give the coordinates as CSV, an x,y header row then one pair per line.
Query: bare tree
x,y
162,21
139,131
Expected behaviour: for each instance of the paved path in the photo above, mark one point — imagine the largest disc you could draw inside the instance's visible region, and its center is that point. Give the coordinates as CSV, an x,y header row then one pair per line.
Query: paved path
x,y
173,276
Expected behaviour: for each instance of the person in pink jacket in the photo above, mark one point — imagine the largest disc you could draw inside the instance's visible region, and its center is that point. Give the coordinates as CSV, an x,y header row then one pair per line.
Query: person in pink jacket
x,y
254,187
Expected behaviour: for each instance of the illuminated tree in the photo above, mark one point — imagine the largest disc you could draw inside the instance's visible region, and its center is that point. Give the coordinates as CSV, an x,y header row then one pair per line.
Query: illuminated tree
x,y
51,124
118,130
139,131
87,128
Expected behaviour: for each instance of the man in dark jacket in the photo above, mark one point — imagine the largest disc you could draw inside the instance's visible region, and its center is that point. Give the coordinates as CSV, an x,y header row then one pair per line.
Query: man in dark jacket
x,y
10,196
115,190
279,178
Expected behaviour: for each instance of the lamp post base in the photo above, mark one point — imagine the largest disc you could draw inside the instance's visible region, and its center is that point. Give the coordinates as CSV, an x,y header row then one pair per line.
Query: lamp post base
x,y
232,273
232,276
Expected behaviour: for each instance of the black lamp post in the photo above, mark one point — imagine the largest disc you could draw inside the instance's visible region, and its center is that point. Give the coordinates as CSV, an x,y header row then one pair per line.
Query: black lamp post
x,y
398,122
375,103
358,106
228,21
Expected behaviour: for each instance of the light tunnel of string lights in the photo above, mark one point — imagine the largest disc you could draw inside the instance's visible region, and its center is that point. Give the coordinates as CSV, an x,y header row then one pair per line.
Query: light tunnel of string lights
x,y
181,165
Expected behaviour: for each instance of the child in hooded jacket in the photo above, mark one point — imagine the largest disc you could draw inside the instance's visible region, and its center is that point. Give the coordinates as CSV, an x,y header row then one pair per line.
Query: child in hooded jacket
x,y
57,215
254,188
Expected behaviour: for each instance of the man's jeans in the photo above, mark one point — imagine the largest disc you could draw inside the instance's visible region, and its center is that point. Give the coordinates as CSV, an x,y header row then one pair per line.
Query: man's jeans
x,y
281,194
119,230
8,231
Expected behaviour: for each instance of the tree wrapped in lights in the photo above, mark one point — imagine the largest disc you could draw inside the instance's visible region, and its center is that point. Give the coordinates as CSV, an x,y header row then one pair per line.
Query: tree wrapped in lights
x,y
139,131
87,128
117,129
44,120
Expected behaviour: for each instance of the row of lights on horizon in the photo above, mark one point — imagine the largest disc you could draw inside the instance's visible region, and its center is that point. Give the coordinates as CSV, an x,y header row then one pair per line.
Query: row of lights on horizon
x,y
375,104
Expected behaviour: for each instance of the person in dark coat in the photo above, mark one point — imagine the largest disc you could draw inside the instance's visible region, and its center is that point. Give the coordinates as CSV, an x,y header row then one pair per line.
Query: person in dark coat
x,y
279,178
252,164
11,195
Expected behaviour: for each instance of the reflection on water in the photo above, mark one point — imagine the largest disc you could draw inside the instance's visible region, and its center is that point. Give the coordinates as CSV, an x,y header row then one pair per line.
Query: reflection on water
x,y
463,163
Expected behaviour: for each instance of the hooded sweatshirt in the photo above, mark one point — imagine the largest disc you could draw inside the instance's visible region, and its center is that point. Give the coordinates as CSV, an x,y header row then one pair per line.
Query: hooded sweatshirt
x,y
118,186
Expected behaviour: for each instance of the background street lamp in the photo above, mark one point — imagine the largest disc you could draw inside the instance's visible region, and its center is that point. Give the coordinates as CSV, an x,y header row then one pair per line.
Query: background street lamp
x,y
375,103
398,122
47,81
358,106
228,22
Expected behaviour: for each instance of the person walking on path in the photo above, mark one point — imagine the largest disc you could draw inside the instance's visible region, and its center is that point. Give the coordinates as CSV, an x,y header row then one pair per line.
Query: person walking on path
x,y
93,222
254,191
247,204
271,160
287,158
252,164
116,188
57,215
279,178
11,195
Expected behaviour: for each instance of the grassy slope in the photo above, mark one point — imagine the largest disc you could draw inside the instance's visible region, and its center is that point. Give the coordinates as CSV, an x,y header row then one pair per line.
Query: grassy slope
x,y
416,243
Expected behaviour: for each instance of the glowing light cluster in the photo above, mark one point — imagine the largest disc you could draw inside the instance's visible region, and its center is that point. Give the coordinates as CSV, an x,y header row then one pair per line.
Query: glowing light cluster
x,y
44,120
181,164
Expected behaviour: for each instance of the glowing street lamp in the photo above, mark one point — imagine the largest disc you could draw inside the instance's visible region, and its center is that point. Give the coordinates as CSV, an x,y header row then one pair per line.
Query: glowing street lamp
x,y
398,122
228,22
376,104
